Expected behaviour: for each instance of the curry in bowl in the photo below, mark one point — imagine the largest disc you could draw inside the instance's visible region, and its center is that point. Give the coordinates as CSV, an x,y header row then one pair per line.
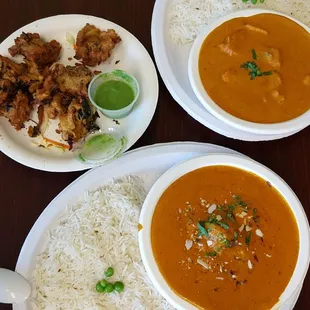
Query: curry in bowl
x,y
256,68
224,238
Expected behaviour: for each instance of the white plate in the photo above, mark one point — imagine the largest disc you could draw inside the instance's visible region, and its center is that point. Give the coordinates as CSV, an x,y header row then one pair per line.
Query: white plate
x,y
132,57
139,162
172,63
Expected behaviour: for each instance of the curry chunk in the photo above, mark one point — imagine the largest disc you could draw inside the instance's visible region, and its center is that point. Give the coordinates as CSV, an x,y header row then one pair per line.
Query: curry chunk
x,y
230,76
273,81
232,43
256,29
307,80
277,96
272,57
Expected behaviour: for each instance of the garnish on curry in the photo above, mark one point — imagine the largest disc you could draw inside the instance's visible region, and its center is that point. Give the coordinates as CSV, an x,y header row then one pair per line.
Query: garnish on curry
x,y
224,238
257,69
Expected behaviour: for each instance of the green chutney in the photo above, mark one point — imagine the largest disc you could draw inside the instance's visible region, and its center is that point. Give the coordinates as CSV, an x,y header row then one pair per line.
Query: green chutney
x,y
114,95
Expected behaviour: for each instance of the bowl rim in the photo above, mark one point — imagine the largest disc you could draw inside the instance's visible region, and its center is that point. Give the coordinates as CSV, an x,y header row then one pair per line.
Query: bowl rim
x,y
285,127
241,162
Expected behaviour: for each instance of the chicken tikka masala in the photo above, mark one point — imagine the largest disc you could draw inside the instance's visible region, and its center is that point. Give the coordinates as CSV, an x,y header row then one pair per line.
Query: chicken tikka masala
x,y
223,238
257,69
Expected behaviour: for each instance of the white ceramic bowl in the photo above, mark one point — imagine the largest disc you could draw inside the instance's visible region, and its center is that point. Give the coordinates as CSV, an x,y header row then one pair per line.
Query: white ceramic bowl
x,y
193,70
212,160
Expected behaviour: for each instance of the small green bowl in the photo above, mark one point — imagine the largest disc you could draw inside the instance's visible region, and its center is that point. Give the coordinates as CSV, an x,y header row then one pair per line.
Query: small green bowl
x,y
118,75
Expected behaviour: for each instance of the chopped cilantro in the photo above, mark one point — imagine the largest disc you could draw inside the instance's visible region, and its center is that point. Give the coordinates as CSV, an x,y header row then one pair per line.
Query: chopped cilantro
x,y
254,211
213,220
230,216
213,253
227,243
248,238
221,236
231,207
223,225
239,201
236,235
202,230
252,67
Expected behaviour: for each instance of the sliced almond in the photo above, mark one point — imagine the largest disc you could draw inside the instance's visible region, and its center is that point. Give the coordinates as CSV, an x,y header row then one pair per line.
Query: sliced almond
x,y
241,227
212,208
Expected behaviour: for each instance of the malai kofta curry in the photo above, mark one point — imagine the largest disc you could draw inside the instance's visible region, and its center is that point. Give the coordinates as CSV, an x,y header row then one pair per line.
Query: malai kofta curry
x,y
224,238
257,68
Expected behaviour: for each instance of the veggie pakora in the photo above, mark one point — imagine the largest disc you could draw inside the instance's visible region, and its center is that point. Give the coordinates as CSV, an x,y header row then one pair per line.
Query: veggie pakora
x,y
34,48
94,46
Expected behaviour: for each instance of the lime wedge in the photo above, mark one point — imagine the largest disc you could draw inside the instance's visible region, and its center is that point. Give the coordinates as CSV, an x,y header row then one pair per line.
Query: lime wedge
x,y
100,148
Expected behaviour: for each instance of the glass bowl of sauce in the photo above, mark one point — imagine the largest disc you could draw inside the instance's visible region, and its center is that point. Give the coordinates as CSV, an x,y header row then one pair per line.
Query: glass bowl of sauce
x,y
114,93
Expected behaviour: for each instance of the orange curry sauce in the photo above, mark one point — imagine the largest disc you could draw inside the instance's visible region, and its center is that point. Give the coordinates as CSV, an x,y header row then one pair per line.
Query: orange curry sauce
x,y
280,48
224,238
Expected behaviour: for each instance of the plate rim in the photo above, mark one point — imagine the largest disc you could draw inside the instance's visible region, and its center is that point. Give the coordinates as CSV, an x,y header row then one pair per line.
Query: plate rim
x,y
49,165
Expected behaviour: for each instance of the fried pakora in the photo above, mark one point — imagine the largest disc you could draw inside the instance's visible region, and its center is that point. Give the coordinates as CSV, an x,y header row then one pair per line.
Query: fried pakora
x,y
72,79
94,46
10,70
59,92
17,111
35,49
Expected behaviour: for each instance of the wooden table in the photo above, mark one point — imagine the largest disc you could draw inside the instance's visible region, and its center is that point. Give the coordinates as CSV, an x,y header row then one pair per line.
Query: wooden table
x,y
26,192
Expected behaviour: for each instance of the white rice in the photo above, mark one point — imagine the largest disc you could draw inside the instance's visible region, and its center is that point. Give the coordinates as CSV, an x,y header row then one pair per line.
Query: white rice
x,y
97,232
188,17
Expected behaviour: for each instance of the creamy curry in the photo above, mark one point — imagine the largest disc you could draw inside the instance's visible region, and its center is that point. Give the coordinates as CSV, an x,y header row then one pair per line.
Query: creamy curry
x,y
224,238
257,68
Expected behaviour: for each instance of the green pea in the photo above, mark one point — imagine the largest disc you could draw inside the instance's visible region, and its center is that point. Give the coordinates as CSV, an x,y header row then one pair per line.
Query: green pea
x,y
254,1
119,286
109,288
103,283
99,288
109,272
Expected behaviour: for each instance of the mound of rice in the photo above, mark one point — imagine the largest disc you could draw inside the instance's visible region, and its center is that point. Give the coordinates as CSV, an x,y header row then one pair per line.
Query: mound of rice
x,y
187,17
95,233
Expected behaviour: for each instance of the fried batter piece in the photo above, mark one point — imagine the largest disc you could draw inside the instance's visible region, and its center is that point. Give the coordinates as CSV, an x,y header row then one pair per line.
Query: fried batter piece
x,y
45,91
17,111
35,49
71,124
10,70
56,107
75,119
94,46
32,77
72,79
7,90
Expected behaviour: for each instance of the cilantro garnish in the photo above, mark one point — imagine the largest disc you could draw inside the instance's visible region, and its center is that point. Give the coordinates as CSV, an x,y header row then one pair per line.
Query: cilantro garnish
x,y
202,230
252,67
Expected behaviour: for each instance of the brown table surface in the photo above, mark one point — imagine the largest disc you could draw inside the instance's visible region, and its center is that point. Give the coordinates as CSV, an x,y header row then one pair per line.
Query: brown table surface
x,y
26,192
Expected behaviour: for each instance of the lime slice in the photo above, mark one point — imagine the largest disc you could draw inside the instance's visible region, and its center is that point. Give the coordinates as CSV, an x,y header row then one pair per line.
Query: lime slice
x,y
100,148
